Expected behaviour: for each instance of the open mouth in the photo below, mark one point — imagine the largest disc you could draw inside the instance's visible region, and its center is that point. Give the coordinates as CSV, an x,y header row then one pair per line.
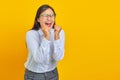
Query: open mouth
x,y
48,24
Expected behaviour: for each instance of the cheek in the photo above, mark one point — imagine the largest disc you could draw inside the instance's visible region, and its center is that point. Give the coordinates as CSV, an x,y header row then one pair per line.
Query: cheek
x,y
42,21
53,20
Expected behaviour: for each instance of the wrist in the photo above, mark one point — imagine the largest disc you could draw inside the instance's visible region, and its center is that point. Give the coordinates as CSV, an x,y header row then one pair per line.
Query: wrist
x,y
56,37
47,37
56,33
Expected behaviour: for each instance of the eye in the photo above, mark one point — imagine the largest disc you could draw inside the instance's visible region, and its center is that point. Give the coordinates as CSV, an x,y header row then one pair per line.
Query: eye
x,y
48,15
44,15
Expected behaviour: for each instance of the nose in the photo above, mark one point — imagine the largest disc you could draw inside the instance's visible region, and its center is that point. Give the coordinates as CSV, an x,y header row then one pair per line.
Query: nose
x,y
49,17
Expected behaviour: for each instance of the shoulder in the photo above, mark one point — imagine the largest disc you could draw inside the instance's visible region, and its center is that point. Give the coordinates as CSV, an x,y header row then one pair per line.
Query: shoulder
x,y
31,33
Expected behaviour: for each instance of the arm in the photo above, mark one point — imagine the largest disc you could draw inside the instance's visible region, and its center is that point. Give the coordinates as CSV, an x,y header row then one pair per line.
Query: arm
x,y
37,50
58,53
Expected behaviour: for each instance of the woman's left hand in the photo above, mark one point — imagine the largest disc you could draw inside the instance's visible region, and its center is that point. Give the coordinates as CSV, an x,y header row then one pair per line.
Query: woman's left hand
x,y
57,29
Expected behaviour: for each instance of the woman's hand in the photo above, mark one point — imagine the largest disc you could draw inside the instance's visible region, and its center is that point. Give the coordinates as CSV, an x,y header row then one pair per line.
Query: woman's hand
x,y
57,30
46,31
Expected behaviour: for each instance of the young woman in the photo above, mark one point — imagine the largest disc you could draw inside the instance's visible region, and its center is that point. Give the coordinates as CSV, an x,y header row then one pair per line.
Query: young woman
x,y
45,44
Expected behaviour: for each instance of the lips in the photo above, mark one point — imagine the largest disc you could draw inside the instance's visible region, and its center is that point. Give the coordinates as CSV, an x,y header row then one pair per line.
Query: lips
x,y
48,24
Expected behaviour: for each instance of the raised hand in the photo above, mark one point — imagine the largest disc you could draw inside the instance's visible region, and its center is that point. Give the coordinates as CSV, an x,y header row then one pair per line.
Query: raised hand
x,y
46,31
57,30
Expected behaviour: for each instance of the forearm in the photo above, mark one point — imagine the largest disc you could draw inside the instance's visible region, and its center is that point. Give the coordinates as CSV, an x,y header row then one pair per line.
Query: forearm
x,y
59,46
56,36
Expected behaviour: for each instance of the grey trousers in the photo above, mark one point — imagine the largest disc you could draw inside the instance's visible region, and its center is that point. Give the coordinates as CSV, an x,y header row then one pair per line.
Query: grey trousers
x,y
52,75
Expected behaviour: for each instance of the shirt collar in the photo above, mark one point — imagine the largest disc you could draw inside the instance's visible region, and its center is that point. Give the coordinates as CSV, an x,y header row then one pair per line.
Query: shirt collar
x,y
41,32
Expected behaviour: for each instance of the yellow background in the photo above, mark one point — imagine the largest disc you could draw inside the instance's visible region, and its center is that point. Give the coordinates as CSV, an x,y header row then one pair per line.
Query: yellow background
x,y
92,27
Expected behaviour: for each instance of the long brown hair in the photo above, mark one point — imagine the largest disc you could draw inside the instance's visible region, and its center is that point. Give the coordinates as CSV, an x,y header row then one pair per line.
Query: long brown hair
x,y
41,9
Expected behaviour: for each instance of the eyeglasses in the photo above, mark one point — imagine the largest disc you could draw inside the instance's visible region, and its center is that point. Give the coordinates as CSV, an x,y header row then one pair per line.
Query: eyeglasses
x,y
48,15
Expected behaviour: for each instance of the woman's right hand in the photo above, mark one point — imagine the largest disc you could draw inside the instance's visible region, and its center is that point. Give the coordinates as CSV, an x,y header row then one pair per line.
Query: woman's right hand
x,y
46,31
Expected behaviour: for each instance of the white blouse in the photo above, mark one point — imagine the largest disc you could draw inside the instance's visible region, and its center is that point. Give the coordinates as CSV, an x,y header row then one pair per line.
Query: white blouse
x,y
43,54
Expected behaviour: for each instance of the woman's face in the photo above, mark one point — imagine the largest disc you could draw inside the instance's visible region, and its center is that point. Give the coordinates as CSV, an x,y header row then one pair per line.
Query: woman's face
x,y
47,18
